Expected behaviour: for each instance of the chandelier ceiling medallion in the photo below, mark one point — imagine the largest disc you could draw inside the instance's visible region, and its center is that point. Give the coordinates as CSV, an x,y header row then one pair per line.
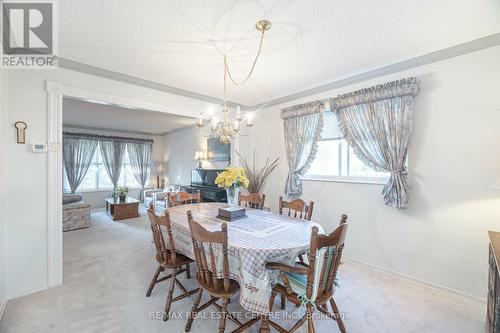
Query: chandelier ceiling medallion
x,y
227,129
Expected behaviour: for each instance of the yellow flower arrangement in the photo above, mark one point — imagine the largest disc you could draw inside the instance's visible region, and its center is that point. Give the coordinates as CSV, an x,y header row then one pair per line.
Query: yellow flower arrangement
x,y
232,177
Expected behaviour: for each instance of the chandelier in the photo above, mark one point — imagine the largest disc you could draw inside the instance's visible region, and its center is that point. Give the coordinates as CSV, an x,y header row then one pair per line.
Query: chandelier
x,y
225,130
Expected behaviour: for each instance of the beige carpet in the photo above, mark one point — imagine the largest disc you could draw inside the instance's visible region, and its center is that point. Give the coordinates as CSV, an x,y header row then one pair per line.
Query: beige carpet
x,y
107,269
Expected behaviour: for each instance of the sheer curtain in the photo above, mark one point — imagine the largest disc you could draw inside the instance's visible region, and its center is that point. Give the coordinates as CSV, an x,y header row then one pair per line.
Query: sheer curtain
x,y
140,160
377,123
112,153
77,158
302,127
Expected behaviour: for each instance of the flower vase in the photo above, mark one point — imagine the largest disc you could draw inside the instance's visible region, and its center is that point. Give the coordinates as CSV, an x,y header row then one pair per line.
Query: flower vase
x,y
122,197
232,196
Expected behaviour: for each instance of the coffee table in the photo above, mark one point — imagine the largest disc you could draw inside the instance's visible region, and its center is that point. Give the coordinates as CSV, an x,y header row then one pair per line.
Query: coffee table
x,y
122,209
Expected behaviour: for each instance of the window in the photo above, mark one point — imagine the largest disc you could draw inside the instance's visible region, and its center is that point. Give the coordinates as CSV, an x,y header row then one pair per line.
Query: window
x,y
97,177
335,160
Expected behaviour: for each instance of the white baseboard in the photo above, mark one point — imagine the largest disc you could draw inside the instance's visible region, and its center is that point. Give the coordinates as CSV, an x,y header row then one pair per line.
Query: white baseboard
x,y
417,280
28,291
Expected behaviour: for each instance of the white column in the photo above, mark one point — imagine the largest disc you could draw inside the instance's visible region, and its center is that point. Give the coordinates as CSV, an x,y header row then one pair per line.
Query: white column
x,y
54,188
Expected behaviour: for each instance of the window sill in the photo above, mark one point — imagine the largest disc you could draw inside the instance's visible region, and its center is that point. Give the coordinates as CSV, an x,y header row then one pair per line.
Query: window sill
x,y
344,179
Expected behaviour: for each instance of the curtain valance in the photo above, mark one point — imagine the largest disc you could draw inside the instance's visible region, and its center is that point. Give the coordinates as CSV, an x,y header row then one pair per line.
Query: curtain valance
x,y
98,137
399,88
302,110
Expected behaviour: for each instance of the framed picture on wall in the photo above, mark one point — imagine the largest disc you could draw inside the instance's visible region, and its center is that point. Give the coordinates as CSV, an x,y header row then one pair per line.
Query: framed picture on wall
x,y
217,152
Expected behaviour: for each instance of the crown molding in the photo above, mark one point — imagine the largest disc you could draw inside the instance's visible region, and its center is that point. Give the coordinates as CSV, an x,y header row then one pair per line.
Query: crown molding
x,y
447,53
179,129
440,55
106,129
117,76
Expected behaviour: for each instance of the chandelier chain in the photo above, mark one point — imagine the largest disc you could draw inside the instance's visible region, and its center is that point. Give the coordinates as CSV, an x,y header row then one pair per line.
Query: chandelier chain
x,y
226,66
227,129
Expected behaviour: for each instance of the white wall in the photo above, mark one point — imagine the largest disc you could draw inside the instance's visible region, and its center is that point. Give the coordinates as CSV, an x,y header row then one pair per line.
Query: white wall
x,y
96,198
3,194
454,158
180,147
26,172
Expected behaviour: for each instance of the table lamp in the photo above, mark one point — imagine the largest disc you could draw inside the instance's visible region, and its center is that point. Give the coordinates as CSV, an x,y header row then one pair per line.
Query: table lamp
x,y
199,156
159,167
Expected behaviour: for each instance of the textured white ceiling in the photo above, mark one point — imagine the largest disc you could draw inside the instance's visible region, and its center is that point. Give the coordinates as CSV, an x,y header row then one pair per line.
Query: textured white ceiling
x,y
92,115
180,43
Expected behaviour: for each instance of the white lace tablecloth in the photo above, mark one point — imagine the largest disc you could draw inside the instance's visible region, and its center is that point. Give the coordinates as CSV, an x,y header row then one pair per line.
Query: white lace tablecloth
x,y
253,241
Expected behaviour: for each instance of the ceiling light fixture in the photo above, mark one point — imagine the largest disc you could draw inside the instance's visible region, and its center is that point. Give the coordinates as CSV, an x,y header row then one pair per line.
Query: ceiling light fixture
x,y
224,131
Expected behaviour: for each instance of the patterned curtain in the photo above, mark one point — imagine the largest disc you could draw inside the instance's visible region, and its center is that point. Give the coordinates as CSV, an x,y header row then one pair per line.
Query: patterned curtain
x,y
302,124
140,160
77,158
377,123
112,153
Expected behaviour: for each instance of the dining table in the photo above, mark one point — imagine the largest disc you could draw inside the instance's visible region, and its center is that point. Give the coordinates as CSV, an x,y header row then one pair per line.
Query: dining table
x,y
253,241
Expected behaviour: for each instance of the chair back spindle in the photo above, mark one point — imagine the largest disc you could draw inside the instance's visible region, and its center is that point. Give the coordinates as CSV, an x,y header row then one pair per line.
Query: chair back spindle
x,y
165,252
297,208
252,200
324,260
207,268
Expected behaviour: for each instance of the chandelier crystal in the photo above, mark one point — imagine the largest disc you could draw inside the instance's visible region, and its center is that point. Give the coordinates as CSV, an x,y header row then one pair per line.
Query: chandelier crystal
x,y
224,131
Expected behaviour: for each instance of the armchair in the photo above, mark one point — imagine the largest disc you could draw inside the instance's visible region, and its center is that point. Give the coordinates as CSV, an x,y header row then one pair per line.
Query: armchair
x,y
149,196
161,200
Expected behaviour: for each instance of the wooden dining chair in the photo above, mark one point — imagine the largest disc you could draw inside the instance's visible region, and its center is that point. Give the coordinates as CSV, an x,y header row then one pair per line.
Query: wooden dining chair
x,y
297,208
182,198
253,200
312,287
167,258
343,219
223,288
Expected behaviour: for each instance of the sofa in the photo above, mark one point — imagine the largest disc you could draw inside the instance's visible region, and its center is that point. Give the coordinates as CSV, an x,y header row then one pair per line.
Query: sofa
x,y
76,213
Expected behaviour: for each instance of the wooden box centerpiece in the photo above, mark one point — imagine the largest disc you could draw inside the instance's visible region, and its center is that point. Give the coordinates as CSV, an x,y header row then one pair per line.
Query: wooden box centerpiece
x,y
231,213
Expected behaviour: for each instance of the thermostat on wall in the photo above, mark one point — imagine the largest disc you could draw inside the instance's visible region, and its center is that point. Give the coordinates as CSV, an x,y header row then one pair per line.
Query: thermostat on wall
x,y
39,147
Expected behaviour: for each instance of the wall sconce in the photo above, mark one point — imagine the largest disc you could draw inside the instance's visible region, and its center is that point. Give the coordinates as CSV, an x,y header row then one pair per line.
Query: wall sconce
x,y
21,131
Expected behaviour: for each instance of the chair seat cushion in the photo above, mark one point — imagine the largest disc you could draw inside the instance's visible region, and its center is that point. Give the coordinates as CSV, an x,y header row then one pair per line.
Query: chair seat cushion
x,y
298,282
